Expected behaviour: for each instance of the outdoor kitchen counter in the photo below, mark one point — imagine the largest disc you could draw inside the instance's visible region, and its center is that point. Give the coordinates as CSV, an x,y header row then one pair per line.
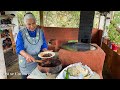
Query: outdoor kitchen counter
x,y
36,74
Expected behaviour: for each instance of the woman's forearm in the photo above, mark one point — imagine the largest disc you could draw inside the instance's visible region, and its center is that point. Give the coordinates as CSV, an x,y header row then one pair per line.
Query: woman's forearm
x,y
23,53
28,57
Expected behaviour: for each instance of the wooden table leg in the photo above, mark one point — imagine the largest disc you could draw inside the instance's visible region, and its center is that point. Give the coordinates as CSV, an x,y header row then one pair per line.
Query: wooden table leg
x,y
12,39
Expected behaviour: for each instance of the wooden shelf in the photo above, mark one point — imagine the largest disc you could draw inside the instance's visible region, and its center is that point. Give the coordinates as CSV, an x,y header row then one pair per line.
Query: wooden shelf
x,y
6,26
5,16
6,50
9,27
4,38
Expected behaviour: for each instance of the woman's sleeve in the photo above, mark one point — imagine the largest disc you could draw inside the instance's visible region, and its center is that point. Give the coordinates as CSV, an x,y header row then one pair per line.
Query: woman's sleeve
x,y
44,42
19,43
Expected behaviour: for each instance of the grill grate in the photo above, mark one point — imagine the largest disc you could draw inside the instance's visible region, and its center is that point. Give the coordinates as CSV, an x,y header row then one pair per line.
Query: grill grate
x,y
72,46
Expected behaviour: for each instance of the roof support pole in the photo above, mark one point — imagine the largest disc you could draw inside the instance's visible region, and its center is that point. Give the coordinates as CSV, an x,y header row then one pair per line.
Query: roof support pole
x,y
41,18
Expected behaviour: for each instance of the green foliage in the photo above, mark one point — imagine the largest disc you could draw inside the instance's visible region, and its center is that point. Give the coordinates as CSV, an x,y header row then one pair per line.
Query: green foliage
x,y
96,19
61,18
20,15
54,18
58,18
116,18
113,34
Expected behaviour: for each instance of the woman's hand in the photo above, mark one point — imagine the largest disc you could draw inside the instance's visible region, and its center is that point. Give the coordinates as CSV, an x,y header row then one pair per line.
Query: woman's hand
x,y
28,57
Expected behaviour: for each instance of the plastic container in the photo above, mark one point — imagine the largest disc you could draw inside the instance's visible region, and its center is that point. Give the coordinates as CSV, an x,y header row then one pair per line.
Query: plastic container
x,y
114,47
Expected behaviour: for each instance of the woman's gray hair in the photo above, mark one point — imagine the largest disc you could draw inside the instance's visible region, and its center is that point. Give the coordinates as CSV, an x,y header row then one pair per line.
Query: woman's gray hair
x,y
28,16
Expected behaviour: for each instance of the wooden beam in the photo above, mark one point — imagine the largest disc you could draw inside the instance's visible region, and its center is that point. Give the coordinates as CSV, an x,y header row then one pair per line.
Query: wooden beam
x,y
41,18
3,74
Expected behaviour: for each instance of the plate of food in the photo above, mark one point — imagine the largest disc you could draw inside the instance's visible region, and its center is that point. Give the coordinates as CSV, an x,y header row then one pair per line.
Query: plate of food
x,y
75,71
46,54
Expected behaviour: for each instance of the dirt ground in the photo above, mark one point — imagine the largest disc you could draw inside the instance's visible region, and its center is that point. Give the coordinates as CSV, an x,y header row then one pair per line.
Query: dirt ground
x,y
11,62
13,71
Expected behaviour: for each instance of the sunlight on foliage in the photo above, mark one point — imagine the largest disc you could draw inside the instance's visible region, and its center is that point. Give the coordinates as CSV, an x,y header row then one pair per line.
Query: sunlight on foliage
x,y
112,33
61,18
20,15
58,18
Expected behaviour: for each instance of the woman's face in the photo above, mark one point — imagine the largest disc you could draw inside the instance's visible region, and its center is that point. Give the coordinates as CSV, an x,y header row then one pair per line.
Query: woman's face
x,y
31,24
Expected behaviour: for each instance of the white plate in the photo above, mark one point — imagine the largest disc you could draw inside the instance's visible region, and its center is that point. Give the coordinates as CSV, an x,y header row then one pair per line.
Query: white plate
x,y
62,74
46,52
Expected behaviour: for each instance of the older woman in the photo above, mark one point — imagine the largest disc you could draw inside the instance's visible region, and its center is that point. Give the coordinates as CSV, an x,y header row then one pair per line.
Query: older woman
x,y
30,42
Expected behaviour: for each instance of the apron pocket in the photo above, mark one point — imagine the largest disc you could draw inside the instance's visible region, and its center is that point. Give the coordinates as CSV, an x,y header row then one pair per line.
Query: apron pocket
x,y
22,61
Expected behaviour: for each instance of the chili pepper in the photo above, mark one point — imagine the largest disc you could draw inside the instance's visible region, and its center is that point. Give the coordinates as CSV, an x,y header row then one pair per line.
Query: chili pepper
x,y
67,74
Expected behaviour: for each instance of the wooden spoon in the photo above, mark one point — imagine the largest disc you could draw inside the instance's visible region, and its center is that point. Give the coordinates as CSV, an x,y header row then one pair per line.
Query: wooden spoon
x,y
38,61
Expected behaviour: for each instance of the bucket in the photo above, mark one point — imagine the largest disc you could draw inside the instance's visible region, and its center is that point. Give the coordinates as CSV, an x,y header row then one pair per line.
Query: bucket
x,y
114,47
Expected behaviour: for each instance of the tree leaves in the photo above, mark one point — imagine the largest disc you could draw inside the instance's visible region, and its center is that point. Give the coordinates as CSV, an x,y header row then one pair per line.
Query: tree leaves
x,y
113,34
61,18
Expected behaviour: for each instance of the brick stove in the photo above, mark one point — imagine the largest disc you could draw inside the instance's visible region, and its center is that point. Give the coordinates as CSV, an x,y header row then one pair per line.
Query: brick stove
x,y
83,51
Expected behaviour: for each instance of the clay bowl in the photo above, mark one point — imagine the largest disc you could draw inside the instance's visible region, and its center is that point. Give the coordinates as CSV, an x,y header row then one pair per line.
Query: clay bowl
x,y
50,66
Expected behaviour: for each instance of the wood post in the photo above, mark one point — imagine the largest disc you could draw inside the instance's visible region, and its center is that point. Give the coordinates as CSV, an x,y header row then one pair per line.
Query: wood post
x,y
41,18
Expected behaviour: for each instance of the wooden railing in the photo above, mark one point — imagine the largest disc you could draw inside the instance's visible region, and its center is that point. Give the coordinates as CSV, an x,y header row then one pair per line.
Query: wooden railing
x,y
112,62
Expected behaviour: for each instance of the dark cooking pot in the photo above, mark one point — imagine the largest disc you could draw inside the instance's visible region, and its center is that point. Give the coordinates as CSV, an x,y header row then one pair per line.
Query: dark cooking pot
x,y
50,66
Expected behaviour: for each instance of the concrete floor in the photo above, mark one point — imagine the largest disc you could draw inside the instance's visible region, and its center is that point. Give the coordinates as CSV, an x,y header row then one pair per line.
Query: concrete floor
x,y
11,62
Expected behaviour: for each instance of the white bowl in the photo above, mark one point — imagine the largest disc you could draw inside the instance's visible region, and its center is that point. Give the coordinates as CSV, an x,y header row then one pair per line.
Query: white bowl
x,y
46,52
